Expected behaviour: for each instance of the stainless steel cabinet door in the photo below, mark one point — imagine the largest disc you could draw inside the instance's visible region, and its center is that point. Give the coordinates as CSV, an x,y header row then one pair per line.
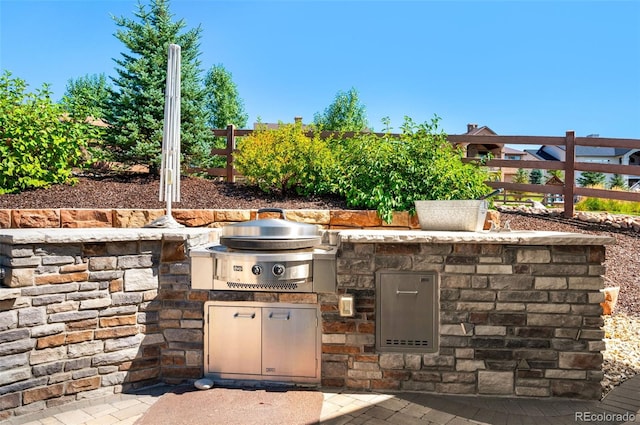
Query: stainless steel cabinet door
x,y
290,342
407,313
234,340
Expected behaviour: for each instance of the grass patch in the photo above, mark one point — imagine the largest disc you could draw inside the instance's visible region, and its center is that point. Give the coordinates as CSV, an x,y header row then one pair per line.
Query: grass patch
x,y
610,205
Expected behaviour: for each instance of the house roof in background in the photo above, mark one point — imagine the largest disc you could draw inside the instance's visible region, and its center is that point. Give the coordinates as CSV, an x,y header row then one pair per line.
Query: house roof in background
x,y
474,130
511,151
541,154
555,181
597,151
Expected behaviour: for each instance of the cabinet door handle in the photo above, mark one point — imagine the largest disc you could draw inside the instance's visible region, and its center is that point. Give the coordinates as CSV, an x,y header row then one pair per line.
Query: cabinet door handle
x,y
244,315
398,292
279,316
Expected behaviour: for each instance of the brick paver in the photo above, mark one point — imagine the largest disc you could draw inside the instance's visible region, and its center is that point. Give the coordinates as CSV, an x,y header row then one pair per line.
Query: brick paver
x,y
354,408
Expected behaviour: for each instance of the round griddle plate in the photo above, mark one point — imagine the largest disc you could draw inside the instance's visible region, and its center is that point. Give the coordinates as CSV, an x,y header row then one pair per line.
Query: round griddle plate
x,y
263,244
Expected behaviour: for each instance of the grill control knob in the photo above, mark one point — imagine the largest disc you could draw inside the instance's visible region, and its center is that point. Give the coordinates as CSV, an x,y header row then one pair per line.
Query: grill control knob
x,y
256,269
278,270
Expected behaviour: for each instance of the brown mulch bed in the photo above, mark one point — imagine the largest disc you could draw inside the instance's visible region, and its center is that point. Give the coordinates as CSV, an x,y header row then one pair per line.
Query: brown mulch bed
x,y
141,191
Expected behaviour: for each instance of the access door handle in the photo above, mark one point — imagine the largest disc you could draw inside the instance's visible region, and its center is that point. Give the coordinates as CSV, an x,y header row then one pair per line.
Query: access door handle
x,y
244,315
398,292
279,316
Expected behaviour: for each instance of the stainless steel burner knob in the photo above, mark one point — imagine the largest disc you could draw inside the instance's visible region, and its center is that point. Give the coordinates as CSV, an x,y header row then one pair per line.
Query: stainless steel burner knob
x,y
256,270
278,270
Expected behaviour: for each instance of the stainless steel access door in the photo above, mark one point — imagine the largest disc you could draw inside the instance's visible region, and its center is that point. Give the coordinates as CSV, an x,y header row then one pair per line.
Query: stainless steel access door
x,y
262,341
290,342
234,340
407,315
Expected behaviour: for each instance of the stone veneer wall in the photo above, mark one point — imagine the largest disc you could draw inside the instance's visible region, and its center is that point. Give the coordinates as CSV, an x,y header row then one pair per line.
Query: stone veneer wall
x,y
534,313
85,218
92,318
93,315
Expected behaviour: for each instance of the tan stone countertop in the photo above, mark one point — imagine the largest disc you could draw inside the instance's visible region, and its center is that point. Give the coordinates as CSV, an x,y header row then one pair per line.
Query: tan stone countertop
x,y
57,235
199,236
515,237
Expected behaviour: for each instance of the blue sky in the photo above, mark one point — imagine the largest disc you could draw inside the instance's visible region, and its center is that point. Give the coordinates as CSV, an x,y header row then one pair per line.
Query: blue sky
x,y
521,68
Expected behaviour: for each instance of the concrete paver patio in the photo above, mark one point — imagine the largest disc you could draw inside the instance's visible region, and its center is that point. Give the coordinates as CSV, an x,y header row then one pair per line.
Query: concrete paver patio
x,y
342,407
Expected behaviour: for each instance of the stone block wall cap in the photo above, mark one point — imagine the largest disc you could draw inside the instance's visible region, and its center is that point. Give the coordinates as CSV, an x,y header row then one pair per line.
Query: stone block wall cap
x,y
22,236
513,238
187,233
53,235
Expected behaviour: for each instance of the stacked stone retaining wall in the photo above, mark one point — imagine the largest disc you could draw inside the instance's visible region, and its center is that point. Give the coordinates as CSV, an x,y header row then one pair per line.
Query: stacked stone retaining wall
x,y
134,218
89,315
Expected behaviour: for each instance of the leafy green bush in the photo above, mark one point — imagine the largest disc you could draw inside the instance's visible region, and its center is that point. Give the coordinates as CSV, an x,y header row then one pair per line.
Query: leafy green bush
x,y
38,144
389,175
284,160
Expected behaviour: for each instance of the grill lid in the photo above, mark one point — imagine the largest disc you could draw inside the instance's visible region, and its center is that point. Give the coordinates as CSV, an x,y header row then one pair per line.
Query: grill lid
x,y
270,233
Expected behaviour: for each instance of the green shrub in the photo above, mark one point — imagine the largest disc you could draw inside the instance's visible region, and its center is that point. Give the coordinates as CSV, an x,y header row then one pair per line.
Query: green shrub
x,y
38,144
285,160
389,175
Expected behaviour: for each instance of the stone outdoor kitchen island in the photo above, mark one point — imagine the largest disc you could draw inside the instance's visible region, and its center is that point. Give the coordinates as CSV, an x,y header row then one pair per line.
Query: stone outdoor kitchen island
x,y
90,312
519,312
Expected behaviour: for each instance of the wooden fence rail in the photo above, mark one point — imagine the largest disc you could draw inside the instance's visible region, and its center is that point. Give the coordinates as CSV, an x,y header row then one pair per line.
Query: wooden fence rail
x,y
569,166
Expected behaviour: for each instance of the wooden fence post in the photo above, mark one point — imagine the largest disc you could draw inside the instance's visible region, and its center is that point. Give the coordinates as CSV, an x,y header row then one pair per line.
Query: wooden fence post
x,y
569,173
231,144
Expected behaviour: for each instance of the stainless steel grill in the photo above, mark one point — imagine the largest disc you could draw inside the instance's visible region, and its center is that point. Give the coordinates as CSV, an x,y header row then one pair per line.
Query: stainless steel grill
x,y
217,267
261,340
266,255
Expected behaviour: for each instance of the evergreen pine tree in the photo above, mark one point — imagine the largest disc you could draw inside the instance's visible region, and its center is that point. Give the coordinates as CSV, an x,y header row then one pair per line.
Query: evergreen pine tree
x,y
535,177
222,100
521,176
136,110
346,113
617,182
87,96
591,178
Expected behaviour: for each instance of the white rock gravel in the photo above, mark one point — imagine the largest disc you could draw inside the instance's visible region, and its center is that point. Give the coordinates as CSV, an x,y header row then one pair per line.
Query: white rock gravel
x,y
616,221
622,356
